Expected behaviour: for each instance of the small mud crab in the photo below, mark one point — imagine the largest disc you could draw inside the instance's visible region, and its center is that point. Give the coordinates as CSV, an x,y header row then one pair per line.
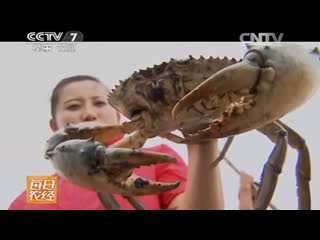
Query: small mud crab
x,y
270,82
87,162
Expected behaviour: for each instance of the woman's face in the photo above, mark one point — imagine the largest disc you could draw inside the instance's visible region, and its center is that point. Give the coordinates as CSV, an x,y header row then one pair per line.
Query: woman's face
x,y
81,102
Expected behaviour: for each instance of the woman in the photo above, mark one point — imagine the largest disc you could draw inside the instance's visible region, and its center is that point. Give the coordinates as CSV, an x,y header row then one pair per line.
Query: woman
x,y
84,98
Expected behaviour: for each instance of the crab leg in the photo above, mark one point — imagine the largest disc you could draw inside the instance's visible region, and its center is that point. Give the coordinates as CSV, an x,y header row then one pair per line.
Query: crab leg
x,y
222,153
134,141
303,169
108,200
274,165
174,138
135,203
255,184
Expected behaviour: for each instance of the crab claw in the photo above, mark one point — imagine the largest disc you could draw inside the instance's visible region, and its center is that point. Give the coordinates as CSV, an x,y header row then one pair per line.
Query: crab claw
x,y
101,133
123,159
128,158
230,79
269,83
57,138
91,153
91,165
138,186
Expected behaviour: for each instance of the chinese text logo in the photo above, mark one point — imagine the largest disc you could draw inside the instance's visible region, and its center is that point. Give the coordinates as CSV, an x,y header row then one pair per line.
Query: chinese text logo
x,y
41,189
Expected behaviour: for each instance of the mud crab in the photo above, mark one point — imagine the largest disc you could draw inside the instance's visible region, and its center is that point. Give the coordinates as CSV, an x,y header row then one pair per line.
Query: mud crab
x,y
222,98
89,163
270,82
147,98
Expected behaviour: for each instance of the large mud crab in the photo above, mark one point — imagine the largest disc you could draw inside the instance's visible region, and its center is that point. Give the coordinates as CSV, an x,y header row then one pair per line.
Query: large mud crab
x,y
215,98
147,98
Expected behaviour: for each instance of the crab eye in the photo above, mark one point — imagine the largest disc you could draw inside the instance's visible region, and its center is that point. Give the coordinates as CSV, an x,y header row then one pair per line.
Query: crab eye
x,y
254,58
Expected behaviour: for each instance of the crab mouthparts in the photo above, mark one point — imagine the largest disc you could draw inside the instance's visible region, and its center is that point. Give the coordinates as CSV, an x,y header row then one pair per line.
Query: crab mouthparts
x,y
227,92
220,108
239,103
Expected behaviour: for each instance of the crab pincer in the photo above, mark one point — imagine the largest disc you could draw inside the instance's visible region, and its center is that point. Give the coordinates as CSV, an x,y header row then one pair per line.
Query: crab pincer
x,y
92,165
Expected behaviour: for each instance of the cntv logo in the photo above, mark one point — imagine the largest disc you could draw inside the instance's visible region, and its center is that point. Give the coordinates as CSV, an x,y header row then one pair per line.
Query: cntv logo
x,y
261,37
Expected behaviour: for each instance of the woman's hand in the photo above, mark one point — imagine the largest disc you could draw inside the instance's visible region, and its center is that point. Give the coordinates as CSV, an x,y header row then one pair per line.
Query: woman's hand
x,y
246,192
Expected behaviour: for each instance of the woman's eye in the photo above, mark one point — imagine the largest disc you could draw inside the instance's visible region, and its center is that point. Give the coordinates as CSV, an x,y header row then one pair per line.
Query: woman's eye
x,y
100,103
73,107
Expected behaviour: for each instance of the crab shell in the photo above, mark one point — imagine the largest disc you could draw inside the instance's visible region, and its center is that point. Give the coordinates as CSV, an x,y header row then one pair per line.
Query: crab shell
x,y
156,90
